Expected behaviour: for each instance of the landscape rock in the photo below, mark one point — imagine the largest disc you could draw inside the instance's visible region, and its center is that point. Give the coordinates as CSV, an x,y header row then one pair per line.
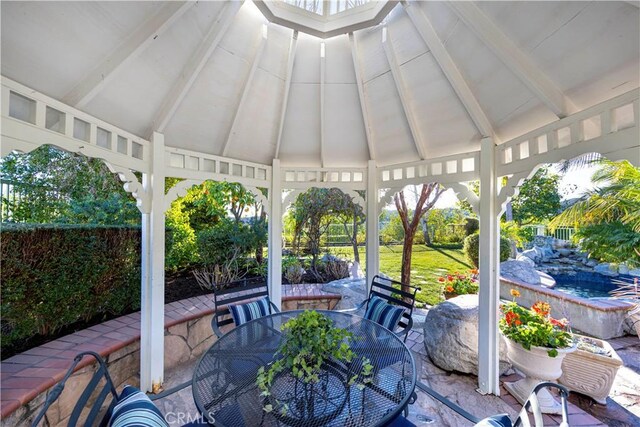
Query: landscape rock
x,y
623,269
451,336
634,272
520,271
531,254
565,252
605,269
526,260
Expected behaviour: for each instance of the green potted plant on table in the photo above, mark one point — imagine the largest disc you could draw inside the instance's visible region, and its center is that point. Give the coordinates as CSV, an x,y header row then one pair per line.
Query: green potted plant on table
x,y
313,370
536,346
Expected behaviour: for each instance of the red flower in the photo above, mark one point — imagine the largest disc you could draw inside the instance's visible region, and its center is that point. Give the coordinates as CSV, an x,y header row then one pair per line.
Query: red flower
x,y
449,277
441,279
473,271
542,308
449,288
512,318
559,323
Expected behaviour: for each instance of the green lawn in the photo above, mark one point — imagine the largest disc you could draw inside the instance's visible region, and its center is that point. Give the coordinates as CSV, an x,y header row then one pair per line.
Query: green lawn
x,y
427,264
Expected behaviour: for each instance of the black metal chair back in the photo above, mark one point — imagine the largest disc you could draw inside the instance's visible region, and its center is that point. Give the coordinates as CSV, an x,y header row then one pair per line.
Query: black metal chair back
x,y
98,414
385,289
238,292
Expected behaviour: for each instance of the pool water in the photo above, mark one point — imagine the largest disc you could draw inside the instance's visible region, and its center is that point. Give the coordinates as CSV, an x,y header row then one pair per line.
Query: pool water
x,y
589,285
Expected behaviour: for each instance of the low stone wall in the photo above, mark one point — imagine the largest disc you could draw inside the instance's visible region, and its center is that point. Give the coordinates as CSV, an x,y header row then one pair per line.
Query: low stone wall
x,y
600,318
183,341
27,378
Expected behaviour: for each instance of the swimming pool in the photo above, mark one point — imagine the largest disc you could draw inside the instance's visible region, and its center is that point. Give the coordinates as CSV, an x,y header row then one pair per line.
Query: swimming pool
x,y
589,285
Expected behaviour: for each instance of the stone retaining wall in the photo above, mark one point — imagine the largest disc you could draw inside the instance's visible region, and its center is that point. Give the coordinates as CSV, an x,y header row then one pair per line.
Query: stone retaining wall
x,y
600,318
27,378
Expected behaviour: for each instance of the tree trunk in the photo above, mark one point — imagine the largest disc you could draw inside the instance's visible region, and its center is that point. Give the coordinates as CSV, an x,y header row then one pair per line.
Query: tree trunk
x,y
407,249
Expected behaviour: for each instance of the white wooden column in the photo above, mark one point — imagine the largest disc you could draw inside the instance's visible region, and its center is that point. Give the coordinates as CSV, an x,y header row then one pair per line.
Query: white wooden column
x,y
488,380
152,309
373,242
275,236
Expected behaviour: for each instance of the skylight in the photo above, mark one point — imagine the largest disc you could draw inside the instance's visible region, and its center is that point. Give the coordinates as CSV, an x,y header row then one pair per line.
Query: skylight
x,y
324,7
325,18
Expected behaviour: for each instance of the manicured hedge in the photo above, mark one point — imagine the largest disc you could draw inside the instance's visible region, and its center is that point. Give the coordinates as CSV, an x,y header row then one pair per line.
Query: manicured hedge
x,y
53,276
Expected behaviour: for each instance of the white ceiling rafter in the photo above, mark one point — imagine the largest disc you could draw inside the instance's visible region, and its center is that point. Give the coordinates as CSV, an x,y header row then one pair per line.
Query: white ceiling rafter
x,y
447,65
402,93
245,89
363,104
136,43
287,86
195,64
513,57
323,69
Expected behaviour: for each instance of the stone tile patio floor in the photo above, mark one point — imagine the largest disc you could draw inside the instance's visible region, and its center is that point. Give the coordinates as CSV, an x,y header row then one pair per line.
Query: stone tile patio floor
x,y
460,388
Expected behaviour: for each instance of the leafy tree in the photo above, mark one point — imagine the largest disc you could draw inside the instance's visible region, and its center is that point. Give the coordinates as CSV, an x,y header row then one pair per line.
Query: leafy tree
x,y
313,213
429,195
538,200
351,214
58,186
210,202
608,217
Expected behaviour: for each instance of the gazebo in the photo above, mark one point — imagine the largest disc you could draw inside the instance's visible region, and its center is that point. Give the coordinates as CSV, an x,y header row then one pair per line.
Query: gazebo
x,y
359,95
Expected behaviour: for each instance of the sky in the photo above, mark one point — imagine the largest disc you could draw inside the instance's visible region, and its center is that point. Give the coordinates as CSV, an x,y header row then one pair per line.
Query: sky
x,y
573,184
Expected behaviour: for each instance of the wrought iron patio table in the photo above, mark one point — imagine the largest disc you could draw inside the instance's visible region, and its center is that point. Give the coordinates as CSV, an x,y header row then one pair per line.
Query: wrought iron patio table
x,y
226,393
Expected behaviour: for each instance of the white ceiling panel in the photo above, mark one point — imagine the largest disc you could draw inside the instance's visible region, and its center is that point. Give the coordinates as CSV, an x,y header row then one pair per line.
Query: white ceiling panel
x,y
392,141
300,143
345,141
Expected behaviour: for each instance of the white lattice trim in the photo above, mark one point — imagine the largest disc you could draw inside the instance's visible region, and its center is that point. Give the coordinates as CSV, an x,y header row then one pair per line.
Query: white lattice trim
x,y
457,168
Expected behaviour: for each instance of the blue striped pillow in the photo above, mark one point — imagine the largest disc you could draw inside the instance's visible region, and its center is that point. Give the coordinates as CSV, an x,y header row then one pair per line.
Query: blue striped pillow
x,y
135,409
382,313
242,313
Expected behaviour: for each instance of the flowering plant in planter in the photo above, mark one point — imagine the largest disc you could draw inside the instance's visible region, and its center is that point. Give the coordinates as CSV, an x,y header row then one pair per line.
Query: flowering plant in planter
x,y
460,283
534,327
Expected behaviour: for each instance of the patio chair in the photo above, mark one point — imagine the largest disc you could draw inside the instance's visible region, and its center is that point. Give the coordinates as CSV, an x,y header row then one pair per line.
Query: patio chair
x,y
240,302
109,407
500,420
398,321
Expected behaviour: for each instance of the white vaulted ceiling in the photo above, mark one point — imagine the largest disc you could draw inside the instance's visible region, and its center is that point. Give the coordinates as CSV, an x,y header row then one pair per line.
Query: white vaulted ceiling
x,y
445,75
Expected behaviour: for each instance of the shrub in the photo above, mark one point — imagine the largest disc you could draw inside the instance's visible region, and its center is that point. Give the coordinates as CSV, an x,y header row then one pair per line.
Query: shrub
x,y
471,248
54,276
333,268
471,226
292,268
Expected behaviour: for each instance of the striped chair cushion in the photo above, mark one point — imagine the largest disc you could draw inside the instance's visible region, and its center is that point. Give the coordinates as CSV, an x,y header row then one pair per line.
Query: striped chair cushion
x,y
242,313
383,313
135,409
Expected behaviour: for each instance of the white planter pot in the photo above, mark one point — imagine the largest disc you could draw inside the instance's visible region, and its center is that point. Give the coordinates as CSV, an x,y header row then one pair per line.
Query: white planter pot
x,y
589,373
537,366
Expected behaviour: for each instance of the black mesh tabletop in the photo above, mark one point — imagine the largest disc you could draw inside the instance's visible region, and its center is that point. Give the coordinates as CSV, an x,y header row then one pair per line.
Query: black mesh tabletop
x,y
226,393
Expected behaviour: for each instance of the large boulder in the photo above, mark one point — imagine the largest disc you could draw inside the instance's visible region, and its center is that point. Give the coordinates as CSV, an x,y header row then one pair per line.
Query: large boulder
x,y
519,271
451,336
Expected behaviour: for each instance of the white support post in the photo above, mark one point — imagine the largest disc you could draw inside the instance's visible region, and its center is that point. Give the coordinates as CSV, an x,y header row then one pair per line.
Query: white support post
x,y
152,310
275,236
488,380
373,247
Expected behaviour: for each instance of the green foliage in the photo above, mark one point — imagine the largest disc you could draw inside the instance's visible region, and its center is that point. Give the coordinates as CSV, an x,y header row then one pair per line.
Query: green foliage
x,y
309,340
181,249
608,218
226,241
611,242
314,211
516,233
534,327
446,225
392,231
471,225
538,200
471,248
53,276
57,186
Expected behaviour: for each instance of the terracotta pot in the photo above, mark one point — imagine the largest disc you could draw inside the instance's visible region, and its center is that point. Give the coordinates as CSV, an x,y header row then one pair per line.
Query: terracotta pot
x,y
537,366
